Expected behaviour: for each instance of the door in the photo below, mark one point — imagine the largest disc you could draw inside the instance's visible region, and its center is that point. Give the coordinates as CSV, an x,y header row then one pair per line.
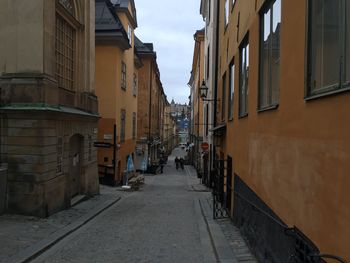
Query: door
x,y
75,157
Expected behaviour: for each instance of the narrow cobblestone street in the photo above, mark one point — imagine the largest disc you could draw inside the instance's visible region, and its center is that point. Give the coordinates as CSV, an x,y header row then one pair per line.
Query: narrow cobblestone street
x,y
168,220
157,224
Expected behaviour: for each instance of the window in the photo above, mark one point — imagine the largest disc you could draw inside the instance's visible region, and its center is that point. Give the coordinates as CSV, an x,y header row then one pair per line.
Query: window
x,y
122,125
123,84
65,53
226,12
134,125
130,35
223,97
328,46
270,55
233,3
134,86
208,62
59,149
231,91
243,79
207,120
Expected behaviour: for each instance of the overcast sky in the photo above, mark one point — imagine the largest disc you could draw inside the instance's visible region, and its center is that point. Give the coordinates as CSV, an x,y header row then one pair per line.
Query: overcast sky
x,y
170,26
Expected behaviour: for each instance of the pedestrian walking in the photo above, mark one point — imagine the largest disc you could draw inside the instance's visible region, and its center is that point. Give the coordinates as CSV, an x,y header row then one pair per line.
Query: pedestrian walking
x,y
161,163
177,162
182,163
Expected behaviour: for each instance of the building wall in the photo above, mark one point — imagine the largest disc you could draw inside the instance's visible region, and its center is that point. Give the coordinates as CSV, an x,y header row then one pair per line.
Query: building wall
x,y
38,117
143,105
114,99
295,157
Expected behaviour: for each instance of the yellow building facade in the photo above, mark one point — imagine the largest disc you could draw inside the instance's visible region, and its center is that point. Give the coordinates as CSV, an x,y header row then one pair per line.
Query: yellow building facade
x,y
283,147
116,86
197,118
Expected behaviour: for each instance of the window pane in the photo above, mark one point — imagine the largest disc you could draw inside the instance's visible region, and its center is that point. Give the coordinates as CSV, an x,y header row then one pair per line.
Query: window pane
x,y
243,88
275,52
223,95
265,63
232,90
326,43
226,11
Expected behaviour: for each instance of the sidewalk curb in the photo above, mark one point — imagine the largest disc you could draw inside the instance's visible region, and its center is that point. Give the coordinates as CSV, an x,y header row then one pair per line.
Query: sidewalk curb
x,y
35,250
222,250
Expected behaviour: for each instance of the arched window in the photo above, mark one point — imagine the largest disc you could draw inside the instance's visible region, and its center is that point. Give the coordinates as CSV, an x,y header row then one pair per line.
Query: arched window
x,y
66,44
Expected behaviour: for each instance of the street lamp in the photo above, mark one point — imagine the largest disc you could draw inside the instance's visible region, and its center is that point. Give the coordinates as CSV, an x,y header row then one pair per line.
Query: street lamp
x,y
203,90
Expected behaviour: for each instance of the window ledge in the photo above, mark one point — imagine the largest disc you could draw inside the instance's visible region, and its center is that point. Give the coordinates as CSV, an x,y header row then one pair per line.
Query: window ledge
x,y
244,115
268,108
326,94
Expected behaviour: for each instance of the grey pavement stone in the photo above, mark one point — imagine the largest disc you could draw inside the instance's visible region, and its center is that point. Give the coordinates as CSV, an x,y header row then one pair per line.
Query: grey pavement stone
x,y
223,230
158,224
24,236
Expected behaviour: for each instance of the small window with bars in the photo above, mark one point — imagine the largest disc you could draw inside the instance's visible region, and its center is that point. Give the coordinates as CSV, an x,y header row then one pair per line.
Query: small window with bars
x,y
65,53
123,84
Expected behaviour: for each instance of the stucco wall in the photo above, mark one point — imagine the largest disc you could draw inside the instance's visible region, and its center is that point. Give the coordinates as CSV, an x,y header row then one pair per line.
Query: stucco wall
x,y
295,157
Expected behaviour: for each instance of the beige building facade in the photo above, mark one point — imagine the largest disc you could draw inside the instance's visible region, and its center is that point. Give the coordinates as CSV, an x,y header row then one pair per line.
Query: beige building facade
x,y
48,105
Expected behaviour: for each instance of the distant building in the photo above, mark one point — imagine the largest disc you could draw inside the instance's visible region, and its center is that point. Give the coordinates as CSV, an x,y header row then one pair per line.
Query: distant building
x,y
178,109
152,103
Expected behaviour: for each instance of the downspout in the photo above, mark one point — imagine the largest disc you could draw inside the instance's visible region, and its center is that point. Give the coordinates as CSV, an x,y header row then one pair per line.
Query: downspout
x,y
150,111
216,74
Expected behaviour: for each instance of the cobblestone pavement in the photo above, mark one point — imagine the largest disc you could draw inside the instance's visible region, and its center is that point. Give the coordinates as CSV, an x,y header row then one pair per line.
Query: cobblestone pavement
x,y
157,224
20,232
236,242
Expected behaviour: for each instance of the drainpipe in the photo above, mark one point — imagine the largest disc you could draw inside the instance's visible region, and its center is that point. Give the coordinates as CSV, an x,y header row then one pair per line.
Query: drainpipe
x,y
216,75
150,111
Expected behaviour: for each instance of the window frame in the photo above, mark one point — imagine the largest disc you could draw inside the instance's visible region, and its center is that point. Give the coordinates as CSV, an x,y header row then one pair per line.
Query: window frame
x,y
135,85
233,3
223,95
227,13
230,108
123,76
68,21
261,88
342,85
244,44
122,125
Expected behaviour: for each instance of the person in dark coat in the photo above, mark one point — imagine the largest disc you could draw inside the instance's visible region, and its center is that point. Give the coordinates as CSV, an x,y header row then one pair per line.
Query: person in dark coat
x,y
177,161
161,163
182,163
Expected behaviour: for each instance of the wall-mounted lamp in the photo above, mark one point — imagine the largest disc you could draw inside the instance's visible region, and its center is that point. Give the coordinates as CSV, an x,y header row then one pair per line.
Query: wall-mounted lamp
x,y
204,91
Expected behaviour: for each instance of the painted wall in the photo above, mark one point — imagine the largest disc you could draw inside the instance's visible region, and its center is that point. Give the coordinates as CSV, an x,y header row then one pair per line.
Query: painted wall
x,y
295,157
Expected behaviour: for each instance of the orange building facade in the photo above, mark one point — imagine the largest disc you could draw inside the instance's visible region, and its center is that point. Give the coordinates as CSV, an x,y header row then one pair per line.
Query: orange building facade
x,y
116,85
151,108
283,116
